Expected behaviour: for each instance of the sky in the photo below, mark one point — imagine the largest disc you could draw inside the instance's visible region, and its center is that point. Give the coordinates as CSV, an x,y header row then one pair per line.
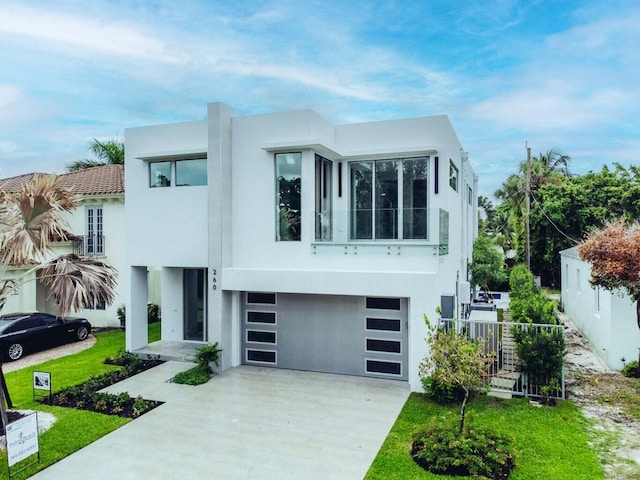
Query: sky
x,y
558,75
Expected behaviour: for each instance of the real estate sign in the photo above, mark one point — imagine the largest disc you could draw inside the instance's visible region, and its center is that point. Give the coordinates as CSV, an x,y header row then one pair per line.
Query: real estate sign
x,y
22,438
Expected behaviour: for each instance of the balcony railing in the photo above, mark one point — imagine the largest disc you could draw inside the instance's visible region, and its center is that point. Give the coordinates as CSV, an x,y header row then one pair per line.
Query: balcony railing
x,y
88,245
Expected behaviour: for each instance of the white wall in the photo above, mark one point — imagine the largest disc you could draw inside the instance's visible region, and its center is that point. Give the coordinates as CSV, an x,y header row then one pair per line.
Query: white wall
x,y
609,324
164,226
167,227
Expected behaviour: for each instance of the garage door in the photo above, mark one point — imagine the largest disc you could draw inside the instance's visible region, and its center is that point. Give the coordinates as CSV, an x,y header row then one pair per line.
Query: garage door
x,y
364,336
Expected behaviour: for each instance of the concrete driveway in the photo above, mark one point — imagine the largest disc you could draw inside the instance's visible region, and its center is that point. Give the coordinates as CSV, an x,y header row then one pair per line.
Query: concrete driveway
x,y
246,423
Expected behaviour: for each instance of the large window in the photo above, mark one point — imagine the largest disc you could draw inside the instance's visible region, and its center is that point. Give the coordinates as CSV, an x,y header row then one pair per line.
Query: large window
x,y
188,172
288,177
389,199
191,172
324,214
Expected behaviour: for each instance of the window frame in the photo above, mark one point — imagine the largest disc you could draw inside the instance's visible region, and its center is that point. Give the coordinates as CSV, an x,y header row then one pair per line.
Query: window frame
x,y
367,216
454,176
288,217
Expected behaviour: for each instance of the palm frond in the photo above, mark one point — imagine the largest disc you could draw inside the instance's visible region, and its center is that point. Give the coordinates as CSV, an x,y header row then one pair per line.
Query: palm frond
x,y
31,218
75,283
84,164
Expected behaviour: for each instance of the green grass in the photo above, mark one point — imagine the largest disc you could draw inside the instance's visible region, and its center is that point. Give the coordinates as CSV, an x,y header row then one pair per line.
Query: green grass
x,y
73,429
551,442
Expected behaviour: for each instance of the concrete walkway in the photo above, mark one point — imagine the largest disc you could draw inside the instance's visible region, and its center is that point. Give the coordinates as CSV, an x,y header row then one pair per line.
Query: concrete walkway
x,y
246,423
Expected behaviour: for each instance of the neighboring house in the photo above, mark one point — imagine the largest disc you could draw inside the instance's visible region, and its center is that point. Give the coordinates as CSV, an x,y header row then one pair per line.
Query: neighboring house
x,y
97,230
296,243
606,319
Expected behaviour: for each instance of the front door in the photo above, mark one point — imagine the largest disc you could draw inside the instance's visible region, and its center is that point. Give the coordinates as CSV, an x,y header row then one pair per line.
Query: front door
x,y
195,304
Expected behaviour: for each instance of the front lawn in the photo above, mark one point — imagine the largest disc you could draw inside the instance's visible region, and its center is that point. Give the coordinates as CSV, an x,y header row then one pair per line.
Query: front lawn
x,y
73,428
550,442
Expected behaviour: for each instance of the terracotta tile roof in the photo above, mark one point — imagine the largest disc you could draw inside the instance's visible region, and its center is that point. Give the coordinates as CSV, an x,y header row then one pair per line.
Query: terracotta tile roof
x,y
96,180
14,184
91,181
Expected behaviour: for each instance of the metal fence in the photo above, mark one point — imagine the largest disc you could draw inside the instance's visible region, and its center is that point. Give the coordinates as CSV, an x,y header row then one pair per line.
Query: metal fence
x,y
504,377
88,245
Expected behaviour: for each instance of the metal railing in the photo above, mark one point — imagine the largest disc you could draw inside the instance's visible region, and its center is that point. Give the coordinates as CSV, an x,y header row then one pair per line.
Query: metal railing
x,y
505,374
89,245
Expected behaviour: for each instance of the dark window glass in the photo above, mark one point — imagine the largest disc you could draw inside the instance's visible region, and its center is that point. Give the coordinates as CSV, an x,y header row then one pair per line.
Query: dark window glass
x,y
385,324
383,303
389,346
261,356
288,195
390,368
261,337
191,172
261,317
263,298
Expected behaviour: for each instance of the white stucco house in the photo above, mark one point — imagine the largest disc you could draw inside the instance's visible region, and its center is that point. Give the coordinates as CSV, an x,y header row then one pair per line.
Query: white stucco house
x,y
296,243
97,229
608,320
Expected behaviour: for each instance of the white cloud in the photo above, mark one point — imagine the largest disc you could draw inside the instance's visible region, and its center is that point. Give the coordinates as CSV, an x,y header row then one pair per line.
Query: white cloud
x,y
82,33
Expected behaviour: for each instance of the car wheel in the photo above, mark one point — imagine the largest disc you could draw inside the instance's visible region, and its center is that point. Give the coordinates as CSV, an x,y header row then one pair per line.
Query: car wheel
x,y
15,351
82,332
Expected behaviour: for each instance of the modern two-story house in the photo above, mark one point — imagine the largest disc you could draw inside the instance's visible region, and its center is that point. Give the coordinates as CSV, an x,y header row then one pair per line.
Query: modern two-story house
x,y
296,243
96,229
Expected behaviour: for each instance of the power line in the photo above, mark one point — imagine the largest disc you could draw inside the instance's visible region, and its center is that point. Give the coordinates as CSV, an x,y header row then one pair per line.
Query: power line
x,y
535,200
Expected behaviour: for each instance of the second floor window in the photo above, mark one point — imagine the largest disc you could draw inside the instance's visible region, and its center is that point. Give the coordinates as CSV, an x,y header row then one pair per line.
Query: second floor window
x,y
389,199
94,240
187,173
288,178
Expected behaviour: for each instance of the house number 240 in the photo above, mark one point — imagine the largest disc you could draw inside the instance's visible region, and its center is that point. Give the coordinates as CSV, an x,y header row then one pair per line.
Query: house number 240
x,y
214,280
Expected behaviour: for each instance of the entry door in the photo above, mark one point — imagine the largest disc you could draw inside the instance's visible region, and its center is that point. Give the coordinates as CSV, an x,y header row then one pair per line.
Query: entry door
x,y
195,304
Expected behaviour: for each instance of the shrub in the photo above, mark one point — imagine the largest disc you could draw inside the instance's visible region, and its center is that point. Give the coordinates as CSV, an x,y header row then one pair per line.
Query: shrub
x,y
441,392
441,449
208,354
194,376
631,369
521,282
540,353
535,308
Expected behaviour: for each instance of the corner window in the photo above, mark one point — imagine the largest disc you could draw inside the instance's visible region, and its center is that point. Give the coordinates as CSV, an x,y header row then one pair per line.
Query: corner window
x,y
288,179
324,212
159,174
389,199
191,172
453,175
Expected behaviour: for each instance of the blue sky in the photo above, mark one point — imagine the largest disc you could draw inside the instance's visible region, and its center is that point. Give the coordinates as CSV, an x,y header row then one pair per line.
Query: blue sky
x,y
561,75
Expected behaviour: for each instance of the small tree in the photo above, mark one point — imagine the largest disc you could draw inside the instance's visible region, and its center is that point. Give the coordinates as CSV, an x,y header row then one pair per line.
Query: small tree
x,y
614,255
521,282
488,263
455,361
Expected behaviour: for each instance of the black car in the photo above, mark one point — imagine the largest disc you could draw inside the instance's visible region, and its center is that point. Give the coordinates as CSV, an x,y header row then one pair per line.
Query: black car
x,y
21,332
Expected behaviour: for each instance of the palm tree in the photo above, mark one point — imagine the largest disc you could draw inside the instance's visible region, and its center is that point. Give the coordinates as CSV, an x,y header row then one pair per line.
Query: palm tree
x,y
109,152
30,221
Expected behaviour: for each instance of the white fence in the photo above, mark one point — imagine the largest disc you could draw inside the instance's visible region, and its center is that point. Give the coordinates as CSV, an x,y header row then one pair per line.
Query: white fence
x,y
506,377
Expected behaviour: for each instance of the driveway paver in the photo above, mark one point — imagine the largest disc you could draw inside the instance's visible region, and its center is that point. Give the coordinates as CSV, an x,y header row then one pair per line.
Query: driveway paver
x,y
246,423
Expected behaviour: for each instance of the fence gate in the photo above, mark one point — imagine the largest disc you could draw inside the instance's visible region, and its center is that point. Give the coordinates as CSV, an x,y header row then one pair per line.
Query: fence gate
x,y
504,376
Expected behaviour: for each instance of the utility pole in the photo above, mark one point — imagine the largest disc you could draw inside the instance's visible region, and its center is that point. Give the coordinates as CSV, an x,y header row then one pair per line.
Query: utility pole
x,y
528,204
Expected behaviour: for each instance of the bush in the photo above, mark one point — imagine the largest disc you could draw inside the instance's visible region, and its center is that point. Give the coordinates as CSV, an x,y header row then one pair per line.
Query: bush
x,y
441,449
194,376
208,354
540,353
631,369
441,392
535,308
521,282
